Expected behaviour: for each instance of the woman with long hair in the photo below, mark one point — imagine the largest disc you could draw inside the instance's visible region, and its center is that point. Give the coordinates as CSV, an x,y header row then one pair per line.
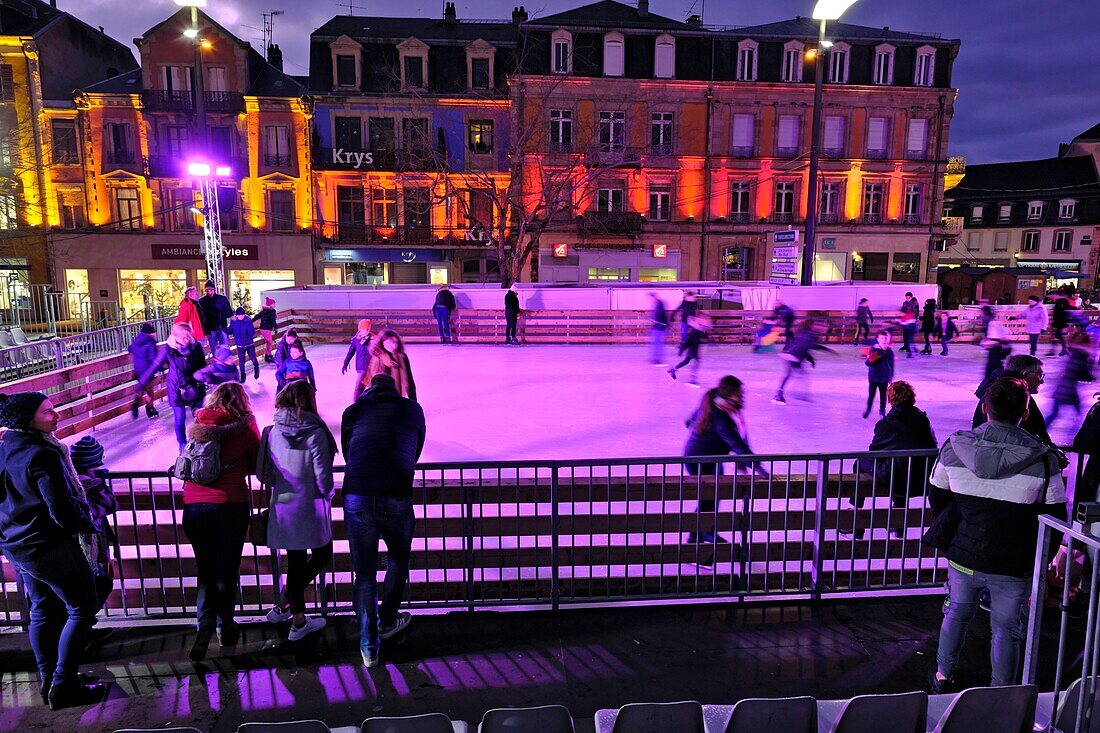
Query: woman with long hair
x,y
717,427
215,514
182,352
295,460
387,356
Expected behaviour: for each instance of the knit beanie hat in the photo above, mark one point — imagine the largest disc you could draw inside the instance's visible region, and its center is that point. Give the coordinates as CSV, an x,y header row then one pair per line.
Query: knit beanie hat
x,y
364,324
269,301
147,328
17,409
240,311
209,285
87,453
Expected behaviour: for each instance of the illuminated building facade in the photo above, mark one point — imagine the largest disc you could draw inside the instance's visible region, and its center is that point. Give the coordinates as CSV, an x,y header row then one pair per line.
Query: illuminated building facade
x,y
44,54
138,132
411,142
695,145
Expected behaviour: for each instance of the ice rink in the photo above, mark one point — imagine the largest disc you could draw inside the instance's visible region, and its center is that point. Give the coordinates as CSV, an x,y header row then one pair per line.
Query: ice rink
x,y
487,402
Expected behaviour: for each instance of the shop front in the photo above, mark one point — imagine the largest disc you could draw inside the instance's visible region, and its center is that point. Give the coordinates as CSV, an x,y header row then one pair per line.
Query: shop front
x,y
1060,273
383,265
565,263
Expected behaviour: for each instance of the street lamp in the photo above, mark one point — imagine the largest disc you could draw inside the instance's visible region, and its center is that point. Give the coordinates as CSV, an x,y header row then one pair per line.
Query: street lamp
x,y
208,175
825,10
192,34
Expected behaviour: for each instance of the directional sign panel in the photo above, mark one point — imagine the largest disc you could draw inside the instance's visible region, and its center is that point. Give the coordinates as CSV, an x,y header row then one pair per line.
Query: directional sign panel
x,y
787,236
779,253
785,268
780,280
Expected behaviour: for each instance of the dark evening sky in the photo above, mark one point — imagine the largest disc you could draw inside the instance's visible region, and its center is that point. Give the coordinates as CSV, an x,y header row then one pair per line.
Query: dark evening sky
x,y
1028,73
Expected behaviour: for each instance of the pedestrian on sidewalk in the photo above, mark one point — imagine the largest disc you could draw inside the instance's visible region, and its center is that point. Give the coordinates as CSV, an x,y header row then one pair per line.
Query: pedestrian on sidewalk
x,y
800,349
864,319
387,356
46,532
987,490
1078,369
295,367
928,324
1035,316
183,356
358,349
688,307
698,329
221,369
880,372
658,328
444,305
216,311
190,313
215,513
295,460
381,436
282,348
910,310
945,331
244,337
511,315
268,323
716,428
143,350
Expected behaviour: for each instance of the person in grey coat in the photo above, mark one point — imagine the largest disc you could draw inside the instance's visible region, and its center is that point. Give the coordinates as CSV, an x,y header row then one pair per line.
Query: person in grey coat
x,y
295,461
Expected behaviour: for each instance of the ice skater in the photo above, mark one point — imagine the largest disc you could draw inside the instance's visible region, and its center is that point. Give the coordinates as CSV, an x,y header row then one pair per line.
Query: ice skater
x,y
1035,316
783,315
799,349
698,329
658,327
244,337
267,319
908,322
688,307
296,367
1060,321
444,305
1078,369
387,356
864,319
995,342
880,372
511,316
928,324
945,331
183,355
143,350
358,348
282,348
220,370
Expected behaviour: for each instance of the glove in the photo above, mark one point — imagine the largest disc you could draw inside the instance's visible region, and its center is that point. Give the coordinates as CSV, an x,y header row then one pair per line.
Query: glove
x,y
344,370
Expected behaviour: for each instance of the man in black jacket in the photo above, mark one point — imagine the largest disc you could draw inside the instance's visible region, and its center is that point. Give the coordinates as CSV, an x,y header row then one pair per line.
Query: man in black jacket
x,y
444,304
382,436
1029,369
215,312
511,315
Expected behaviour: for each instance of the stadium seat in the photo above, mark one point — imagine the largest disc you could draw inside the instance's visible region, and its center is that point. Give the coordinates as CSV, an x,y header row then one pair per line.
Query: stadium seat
x,y
659,717
1001,709
765,715
429,723
1065,716
545,719
903,713
294,726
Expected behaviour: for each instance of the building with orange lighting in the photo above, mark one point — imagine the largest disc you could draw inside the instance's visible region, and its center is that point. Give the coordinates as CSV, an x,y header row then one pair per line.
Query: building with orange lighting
x,y
141,231
45,53
693,145
411,146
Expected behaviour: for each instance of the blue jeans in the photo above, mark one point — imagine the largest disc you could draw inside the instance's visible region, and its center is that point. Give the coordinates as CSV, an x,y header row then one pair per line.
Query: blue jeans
x,y
907,334
63,603
366,519
214,339
656,345
943,345
1007,618
244,353
216,532
179,422
443,322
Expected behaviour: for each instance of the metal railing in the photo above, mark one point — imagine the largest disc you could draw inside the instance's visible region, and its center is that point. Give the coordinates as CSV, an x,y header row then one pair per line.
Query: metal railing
x,y
550,533
39,357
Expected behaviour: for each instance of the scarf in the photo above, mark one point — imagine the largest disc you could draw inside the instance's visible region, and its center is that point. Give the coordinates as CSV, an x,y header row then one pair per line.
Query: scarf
x,y
89,543
384,362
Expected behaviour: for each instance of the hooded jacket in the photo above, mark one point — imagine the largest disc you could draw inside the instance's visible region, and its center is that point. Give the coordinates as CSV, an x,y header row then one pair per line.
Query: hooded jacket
x,y
296,462
143,350
240,441
244,333
381,436
1036,318
359,349
183,362
987,489
38,508
190,314
292,369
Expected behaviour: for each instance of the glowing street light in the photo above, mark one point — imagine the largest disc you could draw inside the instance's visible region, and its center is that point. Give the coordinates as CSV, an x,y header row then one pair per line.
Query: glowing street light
x,y
211,217
825,9
191,33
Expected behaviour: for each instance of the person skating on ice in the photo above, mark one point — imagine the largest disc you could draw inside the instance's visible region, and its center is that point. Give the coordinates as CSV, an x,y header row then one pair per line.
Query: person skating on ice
x,y
864,319
358,348
799,349
880,372
928,324
698,328
244,338
945,331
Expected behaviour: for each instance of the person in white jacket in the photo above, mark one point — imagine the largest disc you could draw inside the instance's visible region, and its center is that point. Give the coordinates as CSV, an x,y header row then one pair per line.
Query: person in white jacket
x,y
1036,316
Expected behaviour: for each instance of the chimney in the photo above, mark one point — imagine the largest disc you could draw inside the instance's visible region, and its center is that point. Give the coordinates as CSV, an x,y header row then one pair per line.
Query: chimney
x,y
275,56
694,20
643,8
519,15
449,14
53,3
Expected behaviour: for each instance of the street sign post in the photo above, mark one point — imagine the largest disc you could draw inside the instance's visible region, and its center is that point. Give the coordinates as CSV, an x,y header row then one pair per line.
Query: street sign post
x,y
787,236
783,253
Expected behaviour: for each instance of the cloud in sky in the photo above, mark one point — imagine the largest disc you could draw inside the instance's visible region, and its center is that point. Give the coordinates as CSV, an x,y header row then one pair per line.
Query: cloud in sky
x,y
1027,74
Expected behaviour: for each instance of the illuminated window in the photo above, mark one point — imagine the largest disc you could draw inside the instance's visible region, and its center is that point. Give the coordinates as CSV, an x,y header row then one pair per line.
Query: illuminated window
x,y
884,64
609,273
384,207
613,54
480,136
746,60
792,61
925,69
660,203
127,208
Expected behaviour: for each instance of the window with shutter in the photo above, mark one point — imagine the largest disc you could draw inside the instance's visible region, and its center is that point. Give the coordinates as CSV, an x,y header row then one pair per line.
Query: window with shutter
x,y
834,136
876,137
746,60
744,135
917,140
613,55
788,135
7,83
664,59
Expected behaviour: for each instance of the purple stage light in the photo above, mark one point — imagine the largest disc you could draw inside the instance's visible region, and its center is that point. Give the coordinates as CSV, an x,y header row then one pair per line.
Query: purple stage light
x,y
199,170
222,171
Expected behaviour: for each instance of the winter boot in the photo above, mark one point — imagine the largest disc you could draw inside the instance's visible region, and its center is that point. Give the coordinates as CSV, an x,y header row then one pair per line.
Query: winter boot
x,y
242,376
256,366
151,411
134,411
269,359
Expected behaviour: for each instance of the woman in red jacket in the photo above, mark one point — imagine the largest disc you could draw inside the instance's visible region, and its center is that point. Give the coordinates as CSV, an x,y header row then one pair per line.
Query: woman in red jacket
x,y
189,313
215,516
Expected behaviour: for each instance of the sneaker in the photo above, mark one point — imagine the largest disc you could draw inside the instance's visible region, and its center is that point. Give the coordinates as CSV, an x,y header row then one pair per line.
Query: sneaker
x,y
937,686
672,373
778,399
279,614
403,619
371,658
75,694
315,623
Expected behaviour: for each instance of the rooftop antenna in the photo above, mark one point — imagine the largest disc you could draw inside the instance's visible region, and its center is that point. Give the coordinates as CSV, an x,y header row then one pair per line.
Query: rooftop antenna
x,y
350,5
269,27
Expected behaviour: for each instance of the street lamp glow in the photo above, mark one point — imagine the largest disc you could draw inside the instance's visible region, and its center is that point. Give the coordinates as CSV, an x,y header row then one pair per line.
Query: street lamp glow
x,y
199,170
191,3
206,44
222,171
825,9
191,33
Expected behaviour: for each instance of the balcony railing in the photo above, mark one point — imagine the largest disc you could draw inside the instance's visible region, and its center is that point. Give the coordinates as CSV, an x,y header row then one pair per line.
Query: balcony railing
x,y
119,157
277,160
419,159
827,217
872,218
877,154
354,234
739,217
664,148
224,102
952,225
160,100
782,217
614,157
911,219
623,223
561,146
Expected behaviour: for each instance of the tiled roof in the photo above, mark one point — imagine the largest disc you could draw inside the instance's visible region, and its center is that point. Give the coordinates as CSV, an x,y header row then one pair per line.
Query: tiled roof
x,y
611,14
1049,177
270,82
1093,133
808,28
429,30
126,83
26,17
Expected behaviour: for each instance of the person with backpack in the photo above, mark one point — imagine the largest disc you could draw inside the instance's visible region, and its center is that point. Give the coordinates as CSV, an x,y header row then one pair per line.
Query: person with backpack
x,y
295,461
244,337
267,319
220,454
296,366
143,350
183,356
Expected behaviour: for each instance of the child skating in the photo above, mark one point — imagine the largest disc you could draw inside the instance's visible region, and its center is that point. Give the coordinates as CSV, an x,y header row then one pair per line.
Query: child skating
x,y
880,372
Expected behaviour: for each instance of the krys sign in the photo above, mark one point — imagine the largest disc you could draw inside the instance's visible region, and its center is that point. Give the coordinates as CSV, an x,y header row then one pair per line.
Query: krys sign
x,y
354,158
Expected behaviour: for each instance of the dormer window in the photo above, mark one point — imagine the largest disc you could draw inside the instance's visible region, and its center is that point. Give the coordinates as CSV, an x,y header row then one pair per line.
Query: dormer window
x,y
1034,210
884,64
976,213
747,52
1067,208
480,56
838,63
562,61
664,57
414,63
792,61
347,63
613,54
925,69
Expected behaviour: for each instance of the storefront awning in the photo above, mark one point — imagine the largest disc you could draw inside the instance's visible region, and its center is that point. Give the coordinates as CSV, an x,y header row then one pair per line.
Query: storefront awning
x,y
385,254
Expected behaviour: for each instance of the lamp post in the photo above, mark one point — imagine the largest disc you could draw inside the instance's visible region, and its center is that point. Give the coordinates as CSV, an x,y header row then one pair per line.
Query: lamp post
x,y
824,11
197,86
208,176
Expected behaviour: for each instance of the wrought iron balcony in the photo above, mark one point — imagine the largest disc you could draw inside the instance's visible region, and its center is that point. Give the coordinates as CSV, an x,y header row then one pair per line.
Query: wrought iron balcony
x,y
614,157
872,218
953,225
782,217
224,102
160,100
119,158
623,223
278,160
911,219
561,146
366,234
660,149
739,217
